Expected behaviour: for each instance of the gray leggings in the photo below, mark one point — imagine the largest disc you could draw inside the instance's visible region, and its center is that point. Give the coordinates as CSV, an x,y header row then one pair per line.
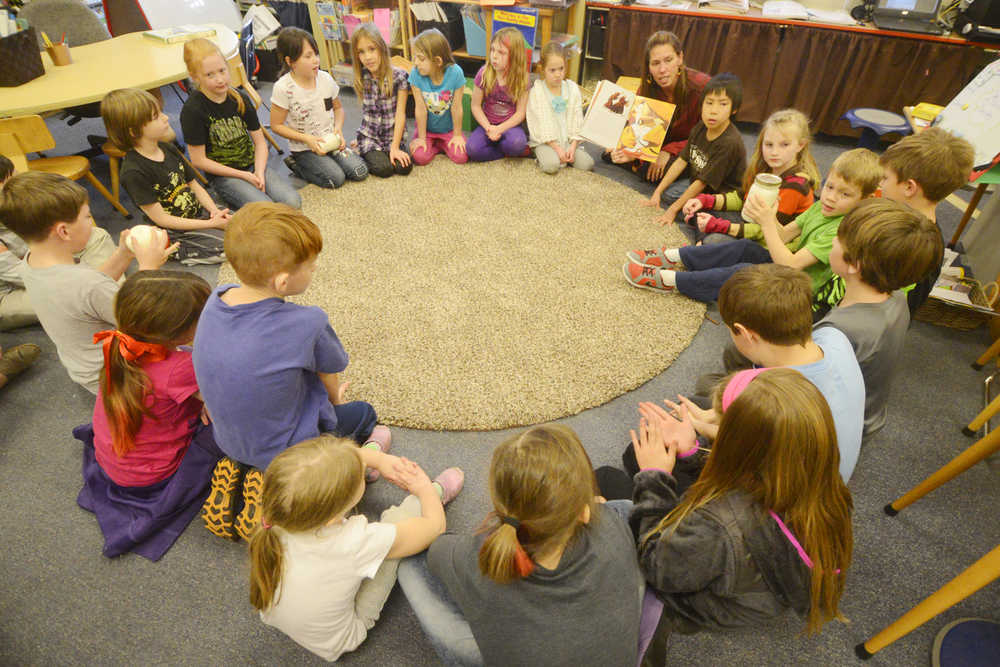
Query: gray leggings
x,y
549,162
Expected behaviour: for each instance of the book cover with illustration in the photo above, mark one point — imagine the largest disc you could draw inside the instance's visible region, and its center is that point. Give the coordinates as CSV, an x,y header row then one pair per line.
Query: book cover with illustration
x,y
618,118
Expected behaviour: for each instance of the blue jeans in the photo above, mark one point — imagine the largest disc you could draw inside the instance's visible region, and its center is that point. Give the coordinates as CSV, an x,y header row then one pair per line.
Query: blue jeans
x,y
710,266
332,169
355,420
439,616
238,192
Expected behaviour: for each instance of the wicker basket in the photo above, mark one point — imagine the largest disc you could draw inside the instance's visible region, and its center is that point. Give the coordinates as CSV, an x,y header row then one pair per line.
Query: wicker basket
x,y
954,316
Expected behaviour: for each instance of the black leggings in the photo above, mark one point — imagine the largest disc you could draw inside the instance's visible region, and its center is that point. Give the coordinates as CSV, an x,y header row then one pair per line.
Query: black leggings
x,y
379,164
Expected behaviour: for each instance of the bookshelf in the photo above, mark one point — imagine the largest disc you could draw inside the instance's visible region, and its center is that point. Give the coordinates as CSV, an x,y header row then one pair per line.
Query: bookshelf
x,y
336,52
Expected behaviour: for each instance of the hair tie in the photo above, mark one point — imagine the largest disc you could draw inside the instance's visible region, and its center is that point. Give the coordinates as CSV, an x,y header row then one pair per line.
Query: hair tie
x,y
510,521
130,348
264,524
737,385
522,561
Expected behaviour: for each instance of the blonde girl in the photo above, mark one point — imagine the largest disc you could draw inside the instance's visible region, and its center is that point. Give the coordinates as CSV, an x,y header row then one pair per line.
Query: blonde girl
x,y
306,110
555,115
500,99
223,133
551,578
768,521
321,573
438,85
147,460
383,89
783,150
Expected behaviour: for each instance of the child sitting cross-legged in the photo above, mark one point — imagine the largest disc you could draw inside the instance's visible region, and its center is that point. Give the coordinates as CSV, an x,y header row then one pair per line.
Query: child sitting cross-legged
x,y
714,158
73,301
158,179
803,244
321,573
269,369
147,460
500,99
765,529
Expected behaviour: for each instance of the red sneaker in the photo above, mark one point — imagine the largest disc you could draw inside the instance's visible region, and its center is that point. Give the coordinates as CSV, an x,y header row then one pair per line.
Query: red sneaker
x,y
656,257
644,276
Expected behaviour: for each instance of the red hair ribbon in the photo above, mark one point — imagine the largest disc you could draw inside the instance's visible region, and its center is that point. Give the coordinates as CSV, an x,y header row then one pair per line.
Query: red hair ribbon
x,y
522,561
130,348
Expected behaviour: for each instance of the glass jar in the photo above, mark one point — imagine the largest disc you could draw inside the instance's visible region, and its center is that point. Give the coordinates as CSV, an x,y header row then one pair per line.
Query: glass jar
x,y
766,187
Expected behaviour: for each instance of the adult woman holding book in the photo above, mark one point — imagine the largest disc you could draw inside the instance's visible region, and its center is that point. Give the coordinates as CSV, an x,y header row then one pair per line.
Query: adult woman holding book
x,y
665,77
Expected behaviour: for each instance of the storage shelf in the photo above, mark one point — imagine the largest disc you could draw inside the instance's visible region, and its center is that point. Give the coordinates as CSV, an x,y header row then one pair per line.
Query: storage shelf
x,y
462,53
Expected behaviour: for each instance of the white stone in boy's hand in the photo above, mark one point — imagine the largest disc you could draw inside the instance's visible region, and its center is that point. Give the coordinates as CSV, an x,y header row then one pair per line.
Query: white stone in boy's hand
x,y
331,142
146,235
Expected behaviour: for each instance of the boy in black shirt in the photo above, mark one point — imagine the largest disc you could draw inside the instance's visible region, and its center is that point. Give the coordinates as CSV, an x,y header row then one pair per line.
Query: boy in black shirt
x,y
158,179
714,159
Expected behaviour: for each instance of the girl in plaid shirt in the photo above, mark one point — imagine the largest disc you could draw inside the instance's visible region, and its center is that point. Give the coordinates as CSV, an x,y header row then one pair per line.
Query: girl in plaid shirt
x,y
383,89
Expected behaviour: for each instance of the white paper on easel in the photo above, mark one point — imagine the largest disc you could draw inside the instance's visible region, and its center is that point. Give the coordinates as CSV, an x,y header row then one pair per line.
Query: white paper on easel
x,y
974,114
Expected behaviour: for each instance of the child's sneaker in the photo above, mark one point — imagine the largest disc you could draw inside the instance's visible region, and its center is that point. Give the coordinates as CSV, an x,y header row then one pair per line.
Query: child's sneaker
x,y
655,257
381,436
451,482
222,504
249,519
644,276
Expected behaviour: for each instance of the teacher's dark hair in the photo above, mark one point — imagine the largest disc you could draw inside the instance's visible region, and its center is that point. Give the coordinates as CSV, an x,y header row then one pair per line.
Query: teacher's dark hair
x,y
648,87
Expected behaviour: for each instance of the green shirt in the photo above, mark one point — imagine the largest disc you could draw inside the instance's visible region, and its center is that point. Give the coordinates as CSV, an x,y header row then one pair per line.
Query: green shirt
x,y
818,232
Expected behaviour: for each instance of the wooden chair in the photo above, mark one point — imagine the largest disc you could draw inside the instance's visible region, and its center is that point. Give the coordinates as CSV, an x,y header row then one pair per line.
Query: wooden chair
x,y
29,134
239,78
979,574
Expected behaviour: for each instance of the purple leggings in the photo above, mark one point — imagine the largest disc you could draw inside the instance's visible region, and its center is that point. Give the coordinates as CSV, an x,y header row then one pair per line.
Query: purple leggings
x,y
512,143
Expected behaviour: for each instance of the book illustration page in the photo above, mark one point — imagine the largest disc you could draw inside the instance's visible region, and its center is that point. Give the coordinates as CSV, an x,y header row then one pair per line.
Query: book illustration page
x,y
646,128
606,115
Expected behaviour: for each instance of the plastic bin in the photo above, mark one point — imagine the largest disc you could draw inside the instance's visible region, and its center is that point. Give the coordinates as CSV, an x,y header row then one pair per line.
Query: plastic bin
x,y
468,122
475,38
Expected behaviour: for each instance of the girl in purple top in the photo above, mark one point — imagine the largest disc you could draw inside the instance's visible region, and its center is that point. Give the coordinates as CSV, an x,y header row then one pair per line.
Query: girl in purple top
x,y
500,100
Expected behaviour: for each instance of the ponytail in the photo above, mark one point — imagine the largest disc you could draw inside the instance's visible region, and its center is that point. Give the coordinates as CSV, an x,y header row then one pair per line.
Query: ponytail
x,y
123,388
501,557
266,561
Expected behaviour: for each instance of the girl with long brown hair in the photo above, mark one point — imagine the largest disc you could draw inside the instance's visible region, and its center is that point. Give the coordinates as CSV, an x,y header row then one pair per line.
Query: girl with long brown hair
x,y
552,578
142,477
666,77
320,572
768,521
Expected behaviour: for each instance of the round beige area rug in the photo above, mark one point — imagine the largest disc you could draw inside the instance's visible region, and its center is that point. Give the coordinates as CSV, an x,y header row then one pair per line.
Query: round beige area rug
x,y
484,296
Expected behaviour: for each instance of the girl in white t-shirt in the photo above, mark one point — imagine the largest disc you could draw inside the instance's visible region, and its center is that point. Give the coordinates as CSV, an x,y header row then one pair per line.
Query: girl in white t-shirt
x,y
555,115
305,110
320,574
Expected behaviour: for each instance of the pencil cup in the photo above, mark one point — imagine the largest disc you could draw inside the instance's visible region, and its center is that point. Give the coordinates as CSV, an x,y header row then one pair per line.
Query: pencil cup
x,y
59,54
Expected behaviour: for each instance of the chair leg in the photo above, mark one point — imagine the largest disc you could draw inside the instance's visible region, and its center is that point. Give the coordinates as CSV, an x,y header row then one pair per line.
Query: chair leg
x,y
107,195
992,352
271,140
992,407
977,575
973,203
115,184
951,470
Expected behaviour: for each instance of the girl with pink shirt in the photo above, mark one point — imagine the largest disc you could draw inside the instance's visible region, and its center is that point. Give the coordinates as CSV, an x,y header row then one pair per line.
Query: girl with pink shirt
x,y
141,475
500,100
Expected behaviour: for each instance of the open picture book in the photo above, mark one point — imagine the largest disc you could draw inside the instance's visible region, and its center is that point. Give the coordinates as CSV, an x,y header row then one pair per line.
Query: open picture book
x,y
619,118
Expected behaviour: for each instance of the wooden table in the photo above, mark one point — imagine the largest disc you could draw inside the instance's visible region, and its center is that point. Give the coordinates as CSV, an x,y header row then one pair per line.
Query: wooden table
x,y
126,61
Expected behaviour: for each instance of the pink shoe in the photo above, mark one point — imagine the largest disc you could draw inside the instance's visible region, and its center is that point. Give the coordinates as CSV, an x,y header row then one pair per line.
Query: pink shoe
x,y
655,257
644,276
381,436
451,482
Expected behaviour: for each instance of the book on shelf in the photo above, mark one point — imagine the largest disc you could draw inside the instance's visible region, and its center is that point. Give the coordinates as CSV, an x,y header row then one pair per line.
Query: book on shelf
x,y
741,6
619,118
180,33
